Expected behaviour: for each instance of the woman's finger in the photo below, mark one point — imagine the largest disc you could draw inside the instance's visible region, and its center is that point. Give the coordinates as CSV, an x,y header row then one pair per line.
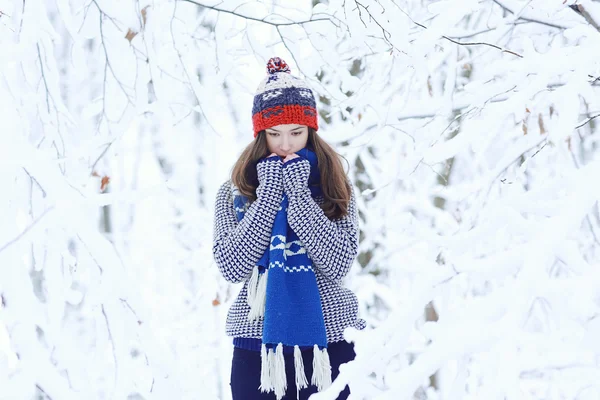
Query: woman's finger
x,y
290,157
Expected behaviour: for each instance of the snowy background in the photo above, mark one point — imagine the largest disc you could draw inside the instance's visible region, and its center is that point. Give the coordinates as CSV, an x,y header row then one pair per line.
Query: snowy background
x,y
469,128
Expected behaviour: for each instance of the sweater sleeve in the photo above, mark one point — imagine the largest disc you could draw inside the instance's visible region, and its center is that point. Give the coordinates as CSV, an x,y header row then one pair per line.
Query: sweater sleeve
x,y
332,245
238,246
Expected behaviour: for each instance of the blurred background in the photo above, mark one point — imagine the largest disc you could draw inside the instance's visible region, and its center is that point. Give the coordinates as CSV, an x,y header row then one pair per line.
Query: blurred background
x,y
470,135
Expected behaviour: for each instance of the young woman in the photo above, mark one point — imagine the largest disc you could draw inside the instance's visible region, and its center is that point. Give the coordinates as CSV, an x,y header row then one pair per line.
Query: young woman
x,y
286,226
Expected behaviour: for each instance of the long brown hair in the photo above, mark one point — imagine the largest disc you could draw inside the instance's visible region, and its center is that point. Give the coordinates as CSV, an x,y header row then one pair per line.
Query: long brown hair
x,y
334,183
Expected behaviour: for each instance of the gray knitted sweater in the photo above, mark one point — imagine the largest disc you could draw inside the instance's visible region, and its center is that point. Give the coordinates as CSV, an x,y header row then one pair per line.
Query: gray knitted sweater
x,y
332,245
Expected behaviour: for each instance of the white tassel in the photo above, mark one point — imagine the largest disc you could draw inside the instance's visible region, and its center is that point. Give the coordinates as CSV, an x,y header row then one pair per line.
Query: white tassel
x,y
252,284
301,381
257,303
271,360
261,294
321,377
279,378
327,369
251,295
266,383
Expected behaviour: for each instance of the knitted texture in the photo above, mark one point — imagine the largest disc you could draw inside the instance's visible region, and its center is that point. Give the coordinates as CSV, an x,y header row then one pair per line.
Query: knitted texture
x,y
293,313
282,98
332,246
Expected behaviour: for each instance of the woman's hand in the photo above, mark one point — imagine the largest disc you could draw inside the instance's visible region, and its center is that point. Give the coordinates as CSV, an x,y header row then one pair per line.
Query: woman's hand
x,y
295,174
290,157
270,178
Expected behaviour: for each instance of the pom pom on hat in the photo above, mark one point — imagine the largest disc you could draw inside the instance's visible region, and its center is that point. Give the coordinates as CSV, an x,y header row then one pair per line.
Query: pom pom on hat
x,y
276,64
282,98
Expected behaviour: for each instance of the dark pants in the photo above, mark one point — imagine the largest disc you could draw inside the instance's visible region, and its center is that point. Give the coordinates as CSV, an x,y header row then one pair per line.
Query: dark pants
x,y
245,372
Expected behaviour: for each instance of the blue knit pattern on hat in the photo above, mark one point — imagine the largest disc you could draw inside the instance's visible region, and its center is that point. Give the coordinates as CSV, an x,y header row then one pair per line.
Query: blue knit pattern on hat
x,y
282,98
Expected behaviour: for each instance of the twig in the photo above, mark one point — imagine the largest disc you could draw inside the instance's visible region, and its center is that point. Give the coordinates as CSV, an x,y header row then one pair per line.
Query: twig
x,y
35,180
386,34
185,71
457,42
537,21
540,149
483,44
472,43
515,160
38,387
91,255
580,9
263,20
100,156
44,79
24,232
112,343
108,65
21,22
137,318
587,121
471,34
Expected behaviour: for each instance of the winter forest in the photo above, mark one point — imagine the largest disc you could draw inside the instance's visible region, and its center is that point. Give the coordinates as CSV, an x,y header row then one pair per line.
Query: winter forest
x,y
470,135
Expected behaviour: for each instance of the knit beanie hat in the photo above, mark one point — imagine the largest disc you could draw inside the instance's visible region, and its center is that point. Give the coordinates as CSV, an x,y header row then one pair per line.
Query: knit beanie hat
x,y
282,98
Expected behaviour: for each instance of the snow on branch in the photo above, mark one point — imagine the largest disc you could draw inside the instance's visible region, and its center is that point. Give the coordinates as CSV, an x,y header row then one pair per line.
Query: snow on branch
x,y
524,15
265,19
590,11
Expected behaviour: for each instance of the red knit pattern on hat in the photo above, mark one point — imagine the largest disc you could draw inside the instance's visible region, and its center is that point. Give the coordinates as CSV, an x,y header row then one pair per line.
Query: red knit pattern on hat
x,y
289,114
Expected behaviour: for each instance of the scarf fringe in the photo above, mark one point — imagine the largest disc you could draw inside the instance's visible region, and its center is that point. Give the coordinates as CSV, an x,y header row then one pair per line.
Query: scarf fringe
x,y
301,381
272,373
257,294
321,377
266,385
280,380
252,286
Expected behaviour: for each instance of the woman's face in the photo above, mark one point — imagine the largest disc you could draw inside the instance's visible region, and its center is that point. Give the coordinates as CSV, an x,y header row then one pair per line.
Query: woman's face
x,y
286,139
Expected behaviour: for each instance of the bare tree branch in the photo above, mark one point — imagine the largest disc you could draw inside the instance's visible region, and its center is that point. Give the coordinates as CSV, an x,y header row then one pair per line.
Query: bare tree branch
x,y
463,43
473,43
423,112
100,156
38,387
48,96
475,33
386,34
35,180
91,255
587,120
185,71
536,20
24,232
108,65
263,20
581,10
483,44
114,350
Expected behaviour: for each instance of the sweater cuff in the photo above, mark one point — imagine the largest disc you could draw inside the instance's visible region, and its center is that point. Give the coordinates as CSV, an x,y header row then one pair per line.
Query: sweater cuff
x,y
270,178
295,175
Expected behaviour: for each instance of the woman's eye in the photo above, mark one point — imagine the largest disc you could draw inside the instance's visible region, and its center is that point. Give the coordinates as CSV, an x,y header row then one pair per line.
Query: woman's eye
x,y
273,134
296,133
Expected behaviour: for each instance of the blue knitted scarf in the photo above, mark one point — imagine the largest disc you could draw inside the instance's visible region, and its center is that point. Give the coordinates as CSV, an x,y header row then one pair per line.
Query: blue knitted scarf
x,y
283,288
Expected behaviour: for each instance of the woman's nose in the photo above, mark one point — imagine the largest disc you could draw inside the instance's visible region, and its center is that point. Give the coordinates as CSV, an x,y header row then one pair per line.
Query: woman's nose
x,y
285,144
